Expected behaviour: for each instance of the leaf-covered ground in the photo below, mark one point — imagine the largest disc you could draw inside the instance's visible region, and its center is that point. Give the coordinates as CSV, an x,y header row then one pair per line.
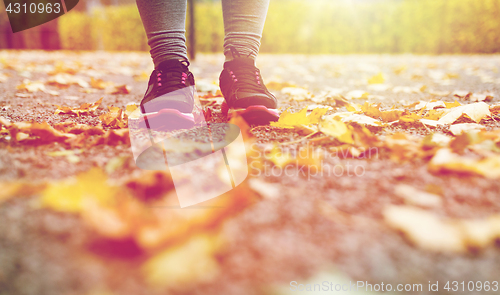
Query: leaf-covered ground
x,y
380,169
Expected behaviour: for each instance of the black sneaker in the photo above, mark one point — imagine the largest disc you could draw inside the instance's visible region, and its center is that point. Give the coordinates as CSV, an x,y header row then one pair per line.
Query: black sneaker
x,y
169,99
245,93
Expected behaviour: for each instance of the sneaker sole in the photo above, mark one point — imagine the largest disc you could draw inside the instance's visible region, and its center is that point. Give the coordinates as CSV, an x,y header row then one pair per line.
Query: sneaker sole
x,y
167,120
256,115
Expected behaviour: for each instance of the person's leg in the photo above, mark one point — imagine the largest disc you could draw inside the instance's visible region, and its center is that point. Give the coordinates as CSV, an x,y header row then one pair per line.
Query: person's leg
x,y
164,22
169,98
243,25
240,81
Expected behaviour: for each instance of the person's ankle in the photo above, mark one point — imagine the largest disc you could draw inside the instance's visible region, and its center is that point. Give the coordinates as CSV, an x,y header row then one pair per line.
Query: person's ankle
x,y
229,57
182,60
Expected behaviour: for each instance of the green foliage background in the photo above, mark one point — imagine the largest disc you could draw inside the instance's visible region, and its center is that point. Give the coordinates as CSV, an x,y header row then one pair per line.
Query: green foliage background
x,y
315,26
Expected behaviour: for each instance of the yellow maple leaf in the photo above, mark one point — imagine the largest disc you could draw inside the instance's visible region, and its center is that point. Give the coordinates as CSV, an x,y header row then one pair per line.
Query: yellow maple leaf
x,y
290,120
354,107
450,105
130,108
336,128
377,79
71,195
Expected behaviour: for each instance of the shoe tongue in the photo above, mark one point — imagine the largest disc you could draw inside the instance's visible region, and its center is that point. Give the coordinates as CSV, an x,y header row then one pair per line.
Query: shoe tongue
x,y
171,63
240,61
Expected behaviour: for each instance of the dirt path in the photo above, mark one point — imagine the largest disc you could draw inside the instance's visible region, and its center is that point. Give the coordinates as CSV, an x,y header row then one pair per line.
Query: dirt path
x,y
277,227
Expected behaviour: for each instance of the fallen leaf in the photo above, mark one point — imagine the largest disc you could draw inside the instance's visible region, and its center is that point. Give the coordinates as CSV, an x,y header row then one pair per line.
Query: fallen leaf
x,y
3,78
430,105
363,120
290,120
118,89
31,86
189,263
373,111
47,133
143,76
24,95
458,129
115,137
446,161
267,190
357,94
279,85
63,80
115,118
424,229
413,196
337,129
100,84
74,128
296,93
398,70
71,155
71,195
476,111
377,79
433,123
462,94
130,108
488,96
450,105
83,109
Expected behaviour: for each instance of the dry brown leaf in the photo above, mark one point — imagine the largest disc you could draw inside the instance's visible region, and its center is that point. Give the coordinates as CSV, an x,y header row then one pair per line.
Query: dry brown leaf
x,y
31,86
47,133
373,111
487,96
63,80
82,109
115,137
118,89
115,118
75,128
446,161
461,94
100,84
